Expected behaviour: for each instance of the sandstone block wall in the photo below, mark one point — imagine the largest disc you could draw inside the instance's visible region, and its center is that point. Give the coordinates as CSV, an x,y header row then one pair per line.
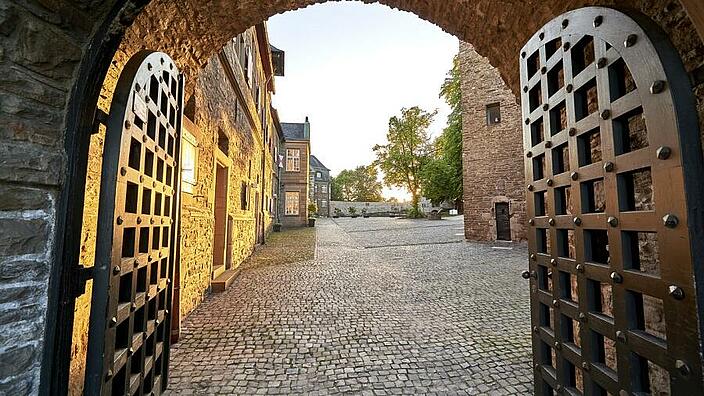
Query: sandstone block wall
x,y
492,157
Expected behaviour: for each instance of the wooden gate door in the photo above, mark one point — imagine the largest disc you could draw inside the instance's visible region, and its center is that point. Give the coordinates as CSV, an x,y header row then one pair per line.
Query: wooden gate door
x,y
612,162
128,347
503,222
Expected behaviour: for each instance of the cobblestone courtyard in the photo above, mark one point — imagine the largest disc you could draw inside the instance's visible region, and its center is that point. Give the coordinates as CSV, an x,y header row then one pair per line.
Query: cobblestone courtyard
x,y
388,306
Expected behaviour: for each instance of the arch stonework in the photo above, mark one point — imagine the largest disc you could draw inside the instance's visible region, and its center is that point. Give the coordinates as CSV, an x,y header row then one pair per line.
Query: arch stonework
x,y
47,47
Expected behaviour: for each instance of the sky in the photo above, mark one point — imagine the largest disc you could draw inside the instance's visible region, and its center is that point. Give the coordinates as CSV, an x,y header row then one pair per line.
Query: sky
x,y
350,67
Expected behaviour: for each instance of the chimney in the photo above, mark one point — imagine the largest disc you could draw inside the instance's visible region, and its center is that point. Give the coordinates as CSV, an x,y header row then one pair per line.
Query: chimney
x,y
306,129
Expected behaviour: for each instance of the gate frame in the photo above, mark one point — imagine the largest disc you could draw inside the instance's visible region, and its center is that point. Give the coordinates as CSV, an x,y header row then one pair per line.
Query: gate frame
x,y
80,117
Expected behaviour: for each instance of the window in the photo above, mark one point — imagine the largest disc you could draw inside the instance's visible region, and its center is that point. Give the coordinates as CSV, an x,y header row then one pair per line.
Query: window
x,y
318,175
324,203
189,161
244,196
493,114
248,66
292,199
293,160
324,187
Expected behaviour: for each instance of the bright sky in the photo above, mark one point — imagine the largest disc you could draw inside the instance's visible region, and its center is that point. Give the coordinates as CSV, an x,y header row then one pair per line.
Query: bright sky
x,y
350,67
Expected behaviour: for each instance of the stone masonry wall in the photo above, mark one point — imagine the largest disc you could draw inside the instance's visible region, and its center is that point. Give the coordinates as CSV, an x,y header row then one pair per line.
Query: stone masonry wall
x,y
492,154
42,44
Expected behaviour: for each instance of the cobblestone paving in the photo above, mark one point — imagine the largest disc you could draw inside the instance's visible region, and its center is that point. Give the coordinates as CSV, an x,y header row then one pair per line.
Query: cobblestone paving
x,y
407,309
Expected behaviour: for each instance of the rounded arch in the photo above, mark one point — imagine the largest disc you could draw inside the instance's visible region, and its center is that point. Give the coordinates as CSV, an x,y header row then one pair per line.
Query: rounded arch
x,y
109,32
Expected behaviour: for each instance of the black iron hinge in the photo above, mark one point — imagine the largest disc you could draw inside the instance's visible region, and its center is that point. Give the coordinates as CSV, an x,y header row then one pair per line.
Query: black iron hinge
x,y
81,276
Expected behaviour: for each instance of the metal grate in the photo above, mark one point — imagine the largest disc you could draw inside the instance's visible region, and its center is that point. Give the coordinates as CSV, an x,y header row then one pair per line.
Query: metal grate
x,y
130,319
613,301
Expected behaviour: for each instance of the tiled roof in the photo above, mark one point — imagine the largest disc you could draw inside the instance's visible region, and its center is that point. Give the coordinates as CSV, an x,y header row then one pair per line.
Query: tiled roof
x,y
316,164
293,131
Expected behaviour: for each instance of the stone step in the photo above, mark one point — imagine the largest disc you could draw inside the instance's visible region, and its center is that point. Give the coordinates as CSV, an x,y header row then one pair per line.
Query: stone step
x,y
222,282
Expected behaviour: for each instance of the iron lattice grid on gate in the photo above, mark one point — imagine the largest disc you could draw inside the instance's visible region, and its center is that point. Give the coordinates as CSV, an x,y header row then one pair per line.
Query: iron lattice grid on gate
x,y
138,222
605,181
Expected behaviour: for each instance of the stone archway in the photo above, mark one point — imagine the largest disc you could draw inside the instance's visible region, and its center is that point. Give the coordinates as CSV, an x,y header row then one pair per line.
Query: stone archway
x,y
55,57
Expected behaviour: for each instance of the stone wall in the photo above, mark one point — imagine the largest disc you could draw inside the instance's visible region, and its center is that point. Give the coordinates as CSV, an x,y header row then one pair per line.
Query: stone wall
x,y
492,154
44,42
372,208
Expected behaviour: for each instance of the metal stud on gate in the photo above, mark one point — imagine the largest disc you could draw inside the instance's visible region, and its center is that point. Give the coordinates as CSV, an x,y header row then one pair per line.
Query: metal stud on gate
x,y
676,292
601,63
612,221
553,262
598,20
663,153
616,277
549,182
572,131
569,88
657,87
606,114
630,40
566,46
577,221
574,176
621,336
551,222
543,70
682,368
548,144
565,23
531,222
670,221
609,167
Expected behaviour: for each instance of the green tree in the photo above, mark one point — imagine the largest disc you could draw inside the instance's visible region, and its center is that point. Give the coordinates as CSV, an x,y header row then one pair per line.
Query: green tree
x,y
408,149
357,185
441,178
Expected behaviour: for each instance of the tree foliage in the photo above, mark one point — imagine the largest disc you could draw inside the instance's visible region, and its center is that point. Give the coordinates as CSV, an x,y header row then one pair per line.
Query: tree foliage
x,y
441,178
357,185
408,149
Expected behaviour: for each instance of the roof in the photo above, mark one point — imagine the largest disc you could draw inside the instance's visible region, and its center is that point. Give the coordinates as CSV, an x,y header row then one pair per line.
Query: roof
x,y
316,164
293,131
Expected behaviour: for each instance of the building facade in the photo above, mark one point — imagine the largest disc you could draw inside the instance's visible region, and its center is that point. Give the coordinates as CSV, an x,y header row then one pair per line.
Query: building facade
x,y
320,187
492,135
230,151
294,179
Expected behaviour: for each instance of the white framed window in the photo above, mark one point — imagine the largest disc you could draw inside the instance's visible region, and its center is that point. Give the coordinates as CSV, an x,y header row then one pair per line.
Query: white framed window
x,y
189,161
324,203
318,175
292,202
324,187
293,160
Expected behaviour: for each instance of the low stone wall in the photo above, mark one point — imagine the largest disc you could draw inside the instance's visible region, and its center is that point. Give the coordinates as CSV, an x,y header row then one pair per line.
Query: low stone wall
x,y
373,208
